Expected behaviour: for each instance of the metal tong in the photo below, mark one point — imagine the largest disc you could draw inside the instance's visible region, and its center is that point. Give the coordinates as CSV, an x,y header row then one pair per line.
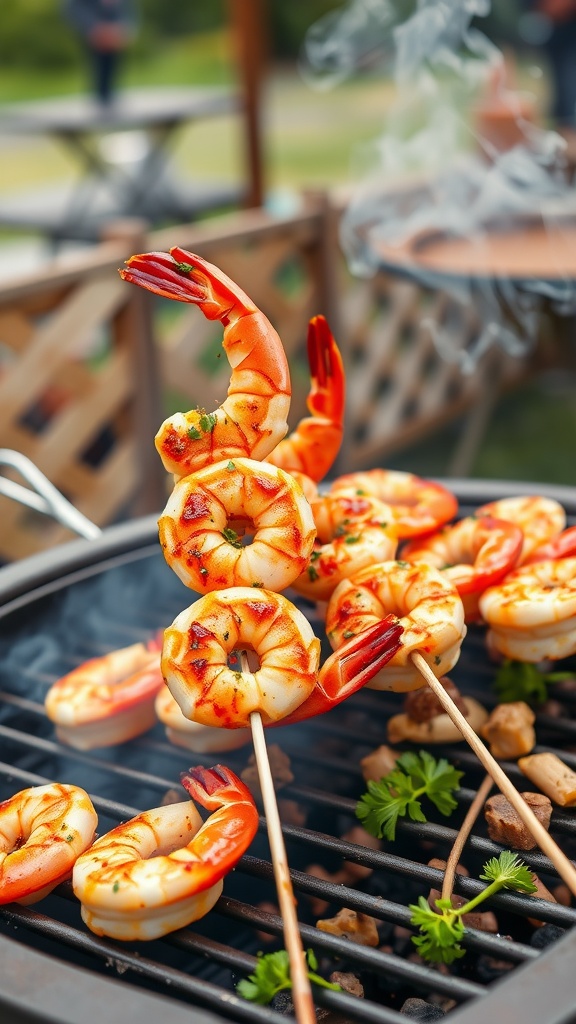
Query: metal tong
x,y
41,495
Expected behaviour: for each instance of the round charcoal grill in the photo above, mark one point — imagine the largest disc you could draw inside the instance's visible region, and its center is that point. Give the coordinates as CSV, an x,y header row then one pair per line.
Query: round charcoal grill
x,y
91,596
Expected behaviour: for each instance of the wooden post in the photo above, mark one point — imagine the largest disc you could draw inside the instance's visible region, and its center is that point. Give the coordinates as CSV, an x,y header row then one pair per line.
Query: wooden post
x,y
248,19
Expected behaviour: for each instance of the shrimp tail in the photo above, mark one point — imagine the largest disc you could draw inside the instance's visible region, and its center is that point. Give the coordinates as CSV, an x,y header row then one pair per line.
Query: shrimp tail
x,y
213,787
231,827
326,396
186,277
350,668
313,446
160,273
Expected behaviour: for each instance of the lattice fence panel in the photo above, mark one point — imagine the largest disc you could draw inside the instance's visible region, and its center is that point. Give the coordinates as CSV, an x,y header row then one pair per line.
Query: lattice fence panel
x,y
400,389
69,388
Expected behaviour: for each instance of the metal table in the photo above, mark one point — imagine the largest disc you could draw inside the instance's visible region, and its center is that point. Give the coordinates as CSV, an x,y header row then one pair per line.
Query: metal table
x,y
107,188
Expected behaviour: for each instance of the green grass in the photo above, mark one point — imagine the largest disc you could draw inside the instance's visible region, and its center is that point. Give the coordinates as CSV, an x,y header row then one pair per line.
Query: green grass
x,y
194,60
530,436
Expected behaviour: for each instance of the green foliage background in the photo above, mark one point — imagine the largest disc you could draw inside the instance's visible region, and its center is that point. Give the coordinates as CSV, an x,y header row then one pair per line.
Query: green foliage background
x,y
34,32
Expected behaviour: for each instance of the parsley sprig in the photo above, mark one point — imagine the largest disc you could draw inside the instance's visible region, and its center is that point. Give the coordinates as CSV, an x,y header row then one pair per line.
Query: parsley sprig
x,y
272,975
521,680
442,931
206,425
399,792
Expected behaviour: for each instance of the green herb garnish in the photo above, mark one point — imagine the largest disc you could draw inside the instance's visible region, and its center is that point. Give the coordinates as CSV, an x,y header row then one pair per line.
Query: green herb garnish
x,y
521,680
272,975
399,792
208,421
232,537
441,932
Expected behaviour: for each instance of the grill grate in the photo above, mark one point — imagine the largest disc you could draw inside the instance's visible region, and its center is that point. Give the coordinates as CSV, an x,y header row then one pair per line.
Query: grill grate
x,y
47,630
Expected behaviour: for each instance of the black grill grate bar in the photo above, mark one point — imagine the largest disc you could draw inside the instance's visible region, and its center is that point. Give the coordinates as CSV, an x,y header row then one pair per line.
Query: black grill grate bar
x,y
396,913
112,808
487,847
243,963
565,823
50,747
424,978
468,760
172,980
213,996
528,906
427,830
551,912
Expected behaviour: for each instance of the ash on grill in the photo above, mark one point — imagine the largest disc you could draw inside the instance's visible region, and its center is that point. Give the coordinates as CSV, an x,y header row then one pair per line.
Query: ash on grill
x,y
332,869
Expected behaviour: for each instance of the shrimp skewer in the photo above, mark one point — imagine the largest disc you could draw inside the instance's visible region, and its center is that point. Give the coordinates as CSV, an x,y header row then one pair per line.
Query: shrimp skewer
x,y
201,667
429,609
253,418
163,869
197,527
313,446
107,700
352,532
42,831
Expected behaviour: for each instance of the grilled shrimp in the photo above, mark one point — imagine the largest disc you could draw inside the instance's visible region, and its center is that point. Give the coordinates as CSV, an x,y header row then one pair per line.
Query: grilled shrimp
x,y
42,831
163,869
417,506
203,739
313,446
197,527
202,668
473,554
107,700
532,612
352,532
253,418
427,605
563,545
539,518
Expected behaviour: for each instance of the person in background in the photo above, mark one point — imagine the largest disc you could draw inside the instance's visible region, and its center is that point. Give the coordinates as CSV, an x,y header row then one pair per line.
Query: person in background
x,y
561,47
106,28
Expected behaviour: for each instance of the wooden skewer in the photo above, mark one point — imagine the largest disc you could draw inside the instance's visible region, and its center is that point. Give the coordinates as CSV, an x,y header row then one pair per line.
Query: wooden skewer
x,y
301,989
564,867
464,832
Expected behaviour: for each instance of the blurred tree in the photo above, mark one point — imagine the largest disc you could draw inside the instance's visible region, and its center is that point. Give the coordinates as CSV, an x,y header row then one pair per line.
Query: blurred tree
x,y
173,19
289,22
34,35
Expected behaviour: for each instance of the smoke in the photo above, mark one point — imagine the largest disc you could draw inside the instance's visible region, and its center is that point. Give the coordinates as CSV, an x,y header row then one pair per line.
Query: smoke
x,y
462,191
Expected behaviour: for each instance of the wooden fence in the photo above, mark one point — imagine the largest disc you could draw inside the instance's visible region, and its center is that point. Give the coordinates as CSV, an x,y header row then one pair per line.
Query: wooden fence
x,y
87,361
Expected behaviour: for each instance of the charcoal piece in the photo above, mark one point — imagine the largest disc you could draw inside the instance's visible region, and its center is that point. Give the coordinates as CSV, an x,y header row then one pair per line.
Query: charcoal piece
x,y
490,969
419,1009
282,1003
546,935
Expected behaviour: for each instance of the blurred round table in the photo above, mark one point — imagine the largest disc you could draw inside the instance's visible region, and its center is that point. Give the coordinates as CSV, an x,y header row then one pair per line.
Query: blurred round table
x,y
507,262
